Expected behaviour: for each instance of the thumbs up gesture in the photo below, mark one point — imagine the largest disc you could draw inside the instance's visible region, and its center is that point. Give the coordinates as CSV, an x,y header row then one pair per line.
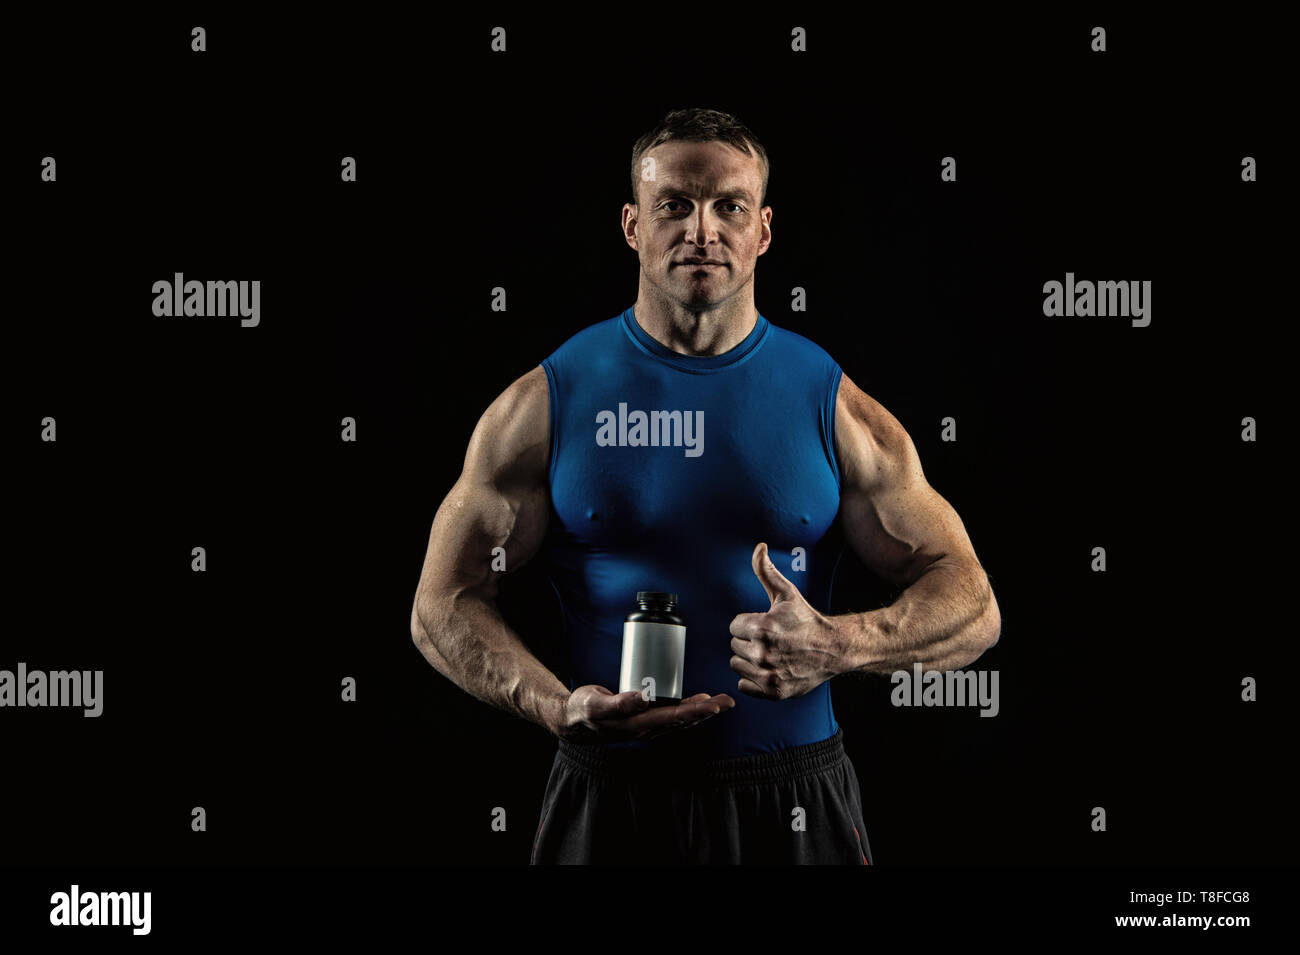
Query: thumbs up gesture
x,y
788,650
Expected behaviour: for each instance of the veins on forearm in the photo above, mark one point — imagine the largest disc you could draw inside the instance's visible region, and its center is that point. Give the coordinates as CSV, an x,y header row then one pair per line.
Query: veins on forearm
x,y
942,621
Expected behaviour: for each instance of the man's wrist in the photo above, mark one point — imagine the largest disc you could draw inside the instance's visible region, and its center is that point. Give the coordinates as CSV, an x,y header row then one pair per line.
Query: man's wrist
x,y
551,710
853,638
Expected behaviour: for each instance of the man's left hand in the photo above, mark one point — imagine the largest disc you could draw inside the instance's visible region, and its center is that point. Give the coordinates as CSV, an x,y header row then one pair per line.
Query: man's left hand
x,y
789,650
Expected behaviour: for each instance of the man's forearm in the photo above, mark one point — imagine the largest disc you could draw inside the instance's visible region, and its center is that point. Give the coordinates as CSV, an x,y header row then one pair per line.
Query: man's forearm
x,y
943,621
467,641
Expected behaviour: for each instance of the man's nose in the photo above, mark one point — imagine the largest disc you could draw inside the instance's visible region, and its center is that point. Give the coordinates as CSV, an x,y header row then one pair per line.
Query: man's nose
x,y
701,228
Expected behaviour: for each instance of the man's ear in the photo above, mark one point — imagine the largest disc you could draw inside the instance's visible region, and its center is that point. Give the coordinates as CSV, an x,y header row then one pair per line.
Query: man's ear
x,y
631,214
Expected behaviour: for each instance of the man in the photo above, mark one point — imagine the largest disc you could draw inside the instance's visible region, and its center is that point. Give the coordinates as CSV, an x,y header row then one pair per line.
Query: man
x,y
743,512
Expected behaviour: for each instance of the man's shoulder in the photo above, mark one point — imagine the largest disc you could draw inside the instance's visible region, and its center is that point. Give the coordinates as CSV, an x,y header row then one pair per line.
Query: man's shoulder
x,y
591,340
871,441
790,343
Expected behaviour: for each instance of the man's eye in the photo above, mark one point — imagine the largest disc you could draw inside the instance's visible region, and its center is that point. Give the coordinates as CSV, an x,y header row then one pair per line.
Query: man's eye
x,y
730,205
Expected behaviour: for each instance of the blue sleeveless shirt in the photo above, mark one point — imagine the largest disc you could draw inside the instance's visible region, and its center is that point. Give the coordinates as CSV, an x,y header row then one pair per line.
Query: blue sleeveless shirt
x,y
677,502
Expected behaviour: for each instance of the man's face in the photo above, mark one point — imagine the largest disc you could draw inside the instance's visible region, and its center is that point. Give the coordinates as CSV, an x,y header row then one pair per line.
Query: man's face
x,y
698,229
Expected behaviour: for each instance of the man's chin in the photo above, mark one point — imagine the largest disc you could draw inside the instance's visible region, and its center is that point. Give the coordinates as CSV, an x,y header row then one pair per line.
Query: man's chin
x,y
699,294
699,302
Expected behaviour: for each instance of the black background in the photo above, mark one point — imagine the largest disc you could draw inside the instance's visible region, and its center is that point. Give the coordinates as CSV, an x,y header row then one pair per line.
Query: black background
x,y
222,689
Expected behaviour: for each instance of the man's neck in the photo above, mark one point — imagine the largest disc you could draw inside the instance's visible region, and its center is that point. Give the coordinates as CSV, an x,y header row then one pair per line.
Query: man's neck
x,y
700,334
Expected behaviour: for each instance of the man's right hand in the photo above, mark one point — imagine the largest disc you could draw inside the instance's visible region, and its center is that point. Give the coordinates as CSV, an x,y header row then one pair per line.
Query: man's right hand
x,y
593,714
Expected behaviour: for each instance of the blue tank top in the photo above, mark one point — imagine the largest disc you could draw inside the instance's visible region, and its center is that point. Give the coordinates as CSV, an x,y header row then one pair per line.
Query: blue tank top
x,y
681,508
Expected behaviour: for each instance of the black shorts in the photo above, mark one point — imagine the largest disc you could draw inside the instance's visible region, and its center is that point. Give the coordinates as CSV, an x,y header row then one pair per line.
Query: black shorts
x,y
623,807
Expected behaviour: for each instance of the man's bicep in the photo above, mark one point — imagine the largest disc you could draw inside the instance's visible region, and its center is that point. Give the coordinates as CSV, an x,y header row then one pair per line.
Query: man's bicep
x,y
494,518
895,522
480,533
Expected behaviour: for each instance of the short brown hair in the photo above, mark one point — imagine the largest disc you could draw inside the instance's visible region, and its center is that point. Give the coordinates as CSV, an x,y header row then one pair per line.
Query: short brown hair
x,y
699,126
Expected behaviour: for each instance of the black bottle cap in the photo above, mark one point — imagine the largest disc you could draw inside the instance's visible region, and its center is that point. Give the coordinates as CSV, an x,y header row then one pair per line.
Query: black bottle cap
x,y
656,596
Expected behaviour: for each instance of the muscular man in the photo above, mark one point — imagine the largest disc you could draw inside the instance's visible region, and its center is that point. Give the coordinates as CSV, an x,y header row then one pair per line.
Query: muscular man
x,y
784,462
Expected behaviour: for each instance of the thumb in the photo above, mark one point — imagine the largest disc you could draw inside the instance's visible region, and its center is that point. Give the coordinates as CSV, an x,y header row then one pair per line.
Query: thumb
x,y
777,587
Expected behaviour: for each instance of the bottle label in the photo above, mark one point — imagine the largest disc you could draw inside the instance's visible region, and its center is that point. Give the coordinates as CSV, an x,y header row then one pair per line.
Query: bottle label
x,y
656,651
